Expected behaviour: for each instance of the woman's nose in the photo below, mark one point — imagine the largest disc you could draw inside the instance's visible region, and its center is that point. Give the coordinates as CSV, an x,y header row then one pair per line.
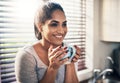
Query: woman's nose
x,y
60,30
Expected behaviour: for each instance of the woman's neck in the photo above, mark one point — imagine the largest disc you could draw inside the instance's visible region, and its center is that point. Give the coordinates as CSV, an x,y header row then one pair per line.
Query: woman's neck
x,y
46,45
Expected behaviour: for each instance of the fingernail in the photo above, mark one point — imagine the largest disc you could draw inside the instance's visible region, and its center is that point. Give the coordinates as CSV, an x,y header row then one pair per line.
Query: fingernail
x,y
65,48
67,51
60,46
75,45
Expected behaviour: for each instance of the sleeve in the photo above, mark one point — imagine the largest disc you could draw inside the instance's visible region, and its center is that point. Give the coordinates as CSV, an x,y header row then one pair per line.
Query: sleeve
x,y
25,70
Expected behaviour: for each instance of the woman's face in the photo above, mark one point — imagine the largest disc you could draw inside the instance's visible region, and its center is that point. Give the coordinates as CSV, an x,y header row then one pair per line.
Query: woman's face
x,y
55,29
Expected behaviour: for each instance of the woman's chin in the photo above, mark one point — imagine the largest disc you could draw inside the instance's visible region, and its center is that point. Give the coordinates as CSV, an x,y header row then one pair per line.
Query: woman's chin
x,y
58,43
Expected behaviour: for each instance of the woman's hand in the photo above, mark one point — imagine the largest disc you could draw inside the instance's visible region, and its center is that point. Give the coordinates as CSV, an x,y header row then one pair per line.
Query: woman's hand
x,y
55,55
77,55
71,76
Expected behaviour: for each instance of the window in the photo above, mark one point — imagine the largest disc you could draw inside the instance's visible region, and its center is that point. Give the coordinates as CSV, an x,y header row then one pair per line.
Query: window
x,y
16,30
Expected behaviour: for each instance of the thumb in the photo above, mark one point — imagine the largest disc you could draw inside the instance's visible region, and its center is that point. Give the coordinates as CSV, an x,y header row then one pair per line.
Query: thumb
x,y
50,48
50,51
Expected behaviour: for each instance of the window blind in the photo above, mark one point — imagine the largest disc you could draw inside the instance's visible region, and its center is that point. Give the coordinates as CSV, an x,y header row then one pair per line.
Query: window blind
x,y
6,62
7,52
16,30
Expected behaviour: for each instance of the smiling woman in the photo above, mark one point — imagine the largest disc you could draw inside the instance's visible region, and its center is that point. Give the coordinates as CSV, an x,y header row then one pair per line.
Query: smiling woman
x,y
38,62
16,29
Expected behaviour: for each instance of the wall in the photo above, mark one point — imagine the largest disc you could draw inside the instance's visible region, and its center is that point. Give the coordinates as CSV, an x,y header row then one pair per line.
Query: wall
x,y
100,49
110,20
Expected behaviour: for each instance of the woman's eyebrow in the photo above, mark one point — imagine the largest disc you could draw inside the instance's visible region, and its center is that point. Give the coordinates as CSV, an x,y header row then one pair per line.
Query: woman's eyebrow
x,y
57,21
54,21
65,22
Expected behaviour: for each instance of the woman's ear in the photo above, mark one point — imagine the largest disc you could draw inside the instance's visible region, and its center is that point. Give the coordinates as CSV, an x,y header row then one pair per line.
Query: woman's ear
x,y
39,27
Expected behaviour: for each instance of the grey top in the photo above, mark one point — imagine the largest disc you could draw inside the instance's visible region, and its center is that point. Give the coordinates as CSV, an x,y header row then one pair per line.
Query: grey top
x,y
30,69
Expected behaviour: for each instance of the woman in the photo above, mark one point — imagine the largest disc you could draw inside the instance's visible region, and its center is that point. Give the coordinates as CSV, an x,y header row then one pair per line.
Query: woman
x,y
39,63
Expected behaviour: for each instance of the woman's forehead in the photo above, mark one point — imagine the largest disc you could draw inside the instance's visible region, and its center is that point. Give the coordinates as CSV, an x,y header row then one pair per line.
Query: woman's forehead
x,y
58,16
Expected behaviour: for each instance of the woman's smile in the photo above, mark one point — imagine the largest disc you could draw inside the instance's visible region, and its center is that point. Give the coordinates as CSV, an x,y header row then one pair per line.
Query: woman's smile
x,y
59,36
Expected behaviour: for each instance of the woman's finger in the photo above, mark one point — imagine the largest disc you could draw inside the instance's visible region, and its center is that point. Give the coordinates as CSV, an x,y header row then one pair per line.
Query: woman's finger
x,y
77,56
50,48
78,50
74,60
63,61
61,53
52,51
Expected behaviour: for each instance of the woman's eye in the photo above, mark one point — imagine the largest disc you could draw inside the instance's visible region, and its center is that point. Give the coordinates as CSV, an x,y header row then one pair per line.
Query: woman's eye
x,y
54,25
64,25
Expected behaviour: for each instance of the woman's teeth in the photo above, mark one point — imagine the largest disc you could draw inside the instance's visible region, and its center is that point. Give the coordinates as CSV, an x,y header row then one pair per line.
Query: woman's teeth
x,y
60,36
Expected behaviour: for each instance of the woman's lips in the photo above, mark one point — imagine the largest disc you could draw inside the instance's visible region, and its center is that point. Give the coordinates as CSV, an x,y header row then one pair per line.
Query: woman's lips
x,y
59,36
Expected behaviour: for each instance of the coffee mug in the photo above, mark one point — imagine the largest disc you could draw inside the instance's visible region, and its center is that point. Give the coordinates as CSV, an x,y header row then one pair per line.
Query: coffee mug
x,y
70,54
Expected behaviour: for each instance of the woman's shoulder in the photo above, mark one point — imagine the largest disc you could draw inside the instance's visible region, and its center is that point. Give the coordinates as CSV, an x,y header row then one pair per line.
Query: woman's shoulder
x,y
25,52
26,55
27,48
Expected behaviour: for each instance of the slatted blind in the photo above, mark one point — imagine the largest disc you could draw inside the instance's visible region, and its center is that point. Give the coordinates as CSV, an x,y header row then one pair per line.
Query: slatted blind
x,y
16,30
7,47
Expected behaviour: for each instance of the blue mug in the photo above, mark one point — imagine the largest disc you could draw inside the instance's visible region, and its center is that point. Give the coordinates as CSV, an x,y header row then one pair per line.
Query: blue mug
x,y
70,54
